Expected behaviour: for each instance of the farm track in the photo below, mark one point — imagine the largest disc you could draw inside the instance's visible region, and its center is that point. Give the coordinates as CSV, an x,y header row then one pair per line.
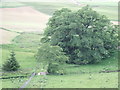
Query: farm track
x,y
27,82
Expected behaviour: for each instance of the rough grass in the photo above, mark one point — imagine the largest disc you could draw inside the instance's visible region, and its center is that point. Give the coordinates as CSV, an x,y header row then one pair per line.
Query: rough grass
x,y
28,40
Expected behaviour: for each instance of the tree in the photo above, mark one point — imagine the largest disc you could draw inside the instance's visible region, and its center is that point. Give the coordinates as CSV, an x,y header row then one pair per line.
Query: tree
x,y
85,35
52,56
11,64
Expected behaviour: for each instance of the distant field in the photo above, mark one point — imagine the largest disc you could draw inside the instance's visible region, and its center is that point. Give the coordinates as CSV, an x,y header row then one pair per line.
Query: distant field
x,y
110,9
32,15
11,4
23,19
7,36
50,7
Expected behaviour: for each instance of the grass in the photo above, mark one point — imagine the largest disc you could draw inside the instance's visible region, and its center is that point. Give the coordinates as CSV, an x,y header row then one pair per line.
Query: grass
x,y
103,80
27,62
14,83
25,41
76,76
28,40
102,4
110,12
49,8
83,76
25,59
97,80
109,64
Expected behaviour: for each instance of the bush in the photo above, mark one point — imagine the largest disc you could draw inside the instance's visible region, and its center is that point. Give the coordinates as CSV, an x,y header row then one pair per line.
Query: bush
x,y
85,36
11,64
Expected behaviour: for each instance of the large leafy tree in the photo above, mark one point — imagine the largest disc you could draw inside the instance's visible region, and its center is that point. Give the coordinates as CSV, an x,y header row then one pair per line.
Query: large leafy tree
x,y
85,35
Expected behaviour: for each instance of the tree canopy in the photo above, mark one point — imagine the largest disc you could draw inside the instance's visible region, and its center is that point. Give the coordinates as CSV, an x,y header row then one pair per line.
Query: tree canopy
x,y
84,35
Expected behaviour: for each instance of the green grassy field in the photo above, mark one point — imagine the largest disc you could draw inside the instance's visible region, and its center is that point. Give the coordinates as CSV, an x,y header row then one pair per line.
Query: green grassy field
x,y
76,76
97,80
24,58
84,81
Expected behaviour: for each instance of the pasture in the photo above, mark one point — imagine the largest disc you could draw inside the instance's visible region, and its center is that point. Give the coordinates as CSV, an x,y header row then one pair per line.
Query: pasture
x,y
77,76
24,24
